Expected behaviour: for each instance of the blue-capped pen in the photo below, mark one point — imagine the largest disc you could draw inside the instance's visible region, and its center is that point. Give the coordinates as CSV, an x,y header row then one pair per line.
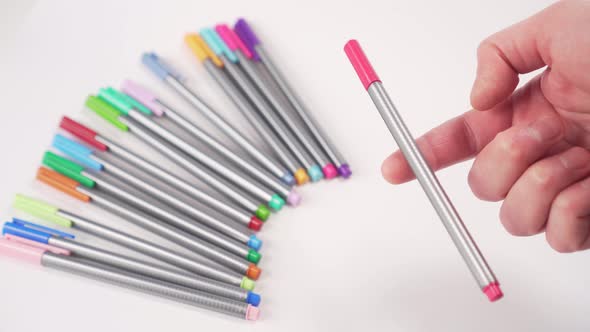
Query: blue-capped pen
x,y
193,263
46,235
88,158
231,62
172,79
60,259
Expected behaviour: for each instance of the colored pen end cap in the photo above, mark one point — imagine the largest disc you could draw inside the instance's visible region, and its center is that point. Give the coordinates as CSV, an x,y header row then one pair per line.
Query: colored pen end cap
x,y
248,37
252,313
262,212
493,291
253,272
82,132
293,199
23,252
255,223
344,171
276,202
315,173
330,171
254,242
360,63
288,179
253,299
143,96
253,257
301,177
247,284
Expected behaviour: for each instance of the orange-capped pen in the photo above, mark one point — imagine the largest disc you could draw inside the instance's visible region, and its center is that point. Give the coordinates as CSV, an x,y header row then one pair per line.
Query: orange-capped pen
x,y
200,49
61,183
72,179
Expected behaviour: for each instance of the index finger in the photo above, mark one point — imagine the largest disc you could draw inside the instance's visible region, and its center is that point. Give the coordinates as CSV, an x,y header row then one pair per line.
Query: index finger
x,y
454,141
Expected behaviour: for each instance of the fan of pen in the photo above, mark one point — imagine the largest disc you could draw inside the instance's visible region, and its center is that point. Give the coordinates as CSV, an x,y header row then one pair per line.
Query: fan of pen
x,y
90,167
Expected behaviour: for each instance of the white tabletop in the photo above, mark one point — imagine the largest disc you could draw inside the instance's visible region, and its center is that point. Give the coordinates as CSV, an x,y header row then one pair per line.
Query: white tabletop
x,y
357,254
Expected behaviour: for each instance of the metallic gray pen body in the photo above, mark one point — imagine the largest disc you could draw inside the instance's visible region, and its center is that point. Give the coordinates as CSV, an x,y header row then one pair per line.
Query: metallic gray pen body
x,y
431,186
224,208
251,70
309,121
256,172
168,232
149,269
193,264
222,124
191,166
216,166
241,234
265,110
144,284
251,115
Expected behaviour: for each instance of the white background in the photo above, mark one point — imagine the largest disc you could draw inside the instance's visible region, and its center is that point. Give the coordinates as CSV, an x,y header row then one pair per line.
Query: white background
x,y
358,254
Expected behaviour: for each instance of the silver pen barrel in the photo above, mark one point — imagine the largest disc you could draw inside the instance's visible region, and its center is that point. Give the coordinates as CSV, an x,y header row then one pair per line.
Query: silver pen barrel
x,y
279,107
150,269
246,108
222,124
146,284
212,164
229,210
168,232
265,111
240,234
191,166
193,264
253,170
428,181
431,186
322,139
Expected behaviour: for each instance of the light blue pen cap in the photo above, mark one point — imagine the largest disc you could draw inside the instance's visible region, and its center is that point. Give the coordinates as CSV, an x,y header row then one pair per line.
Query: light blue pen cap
x,y
288,179
76,151
315,173
158,66
254,242
217,45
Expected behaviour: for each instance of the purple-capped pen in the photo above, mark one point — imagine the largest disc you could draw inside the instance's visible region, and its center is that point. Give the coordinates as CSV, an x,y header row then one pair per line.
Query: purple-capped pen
x,y
259,55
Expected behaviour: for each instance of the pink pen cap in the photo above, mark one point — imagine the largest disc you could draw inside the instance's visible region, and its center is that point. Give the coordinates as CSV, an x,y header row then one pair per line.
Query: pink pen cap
x,y
252,312
20,251
361,64
330,171
232,40
144,96
35,244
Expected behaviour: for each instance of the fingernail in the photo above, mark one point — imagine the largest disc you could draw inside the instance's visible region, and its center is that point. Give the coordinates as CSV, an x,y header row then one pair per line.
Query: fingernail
x,y
543,130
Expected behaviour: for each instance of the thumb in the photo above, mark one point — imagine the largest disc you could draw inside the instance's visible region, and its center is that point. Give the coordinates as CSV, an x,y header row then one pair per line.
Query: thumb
x,y
518,49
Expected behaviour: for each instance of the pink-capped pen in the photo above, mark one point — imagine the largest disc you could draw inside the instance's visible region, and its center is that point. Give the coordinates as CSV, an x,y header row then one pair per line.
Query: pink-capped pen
x,y
280,108
438,198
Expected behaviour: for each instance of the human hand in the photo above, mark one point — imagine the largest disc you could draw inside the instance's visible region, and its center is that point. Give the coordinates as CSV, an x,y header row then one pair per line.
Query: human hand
x,y
531,146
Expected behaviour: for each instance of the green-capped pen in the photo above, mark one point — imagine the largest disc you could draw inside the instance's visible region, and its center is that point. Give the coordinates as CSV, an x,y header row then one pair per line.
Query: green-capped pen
x,y
47,212
116,117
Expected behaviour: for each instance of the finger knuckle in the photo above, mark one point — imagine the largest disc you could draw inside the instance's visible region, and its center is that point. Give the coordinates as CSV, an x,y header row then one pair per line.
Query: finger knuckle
x,y
512,148
486,46
563,203
542,177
